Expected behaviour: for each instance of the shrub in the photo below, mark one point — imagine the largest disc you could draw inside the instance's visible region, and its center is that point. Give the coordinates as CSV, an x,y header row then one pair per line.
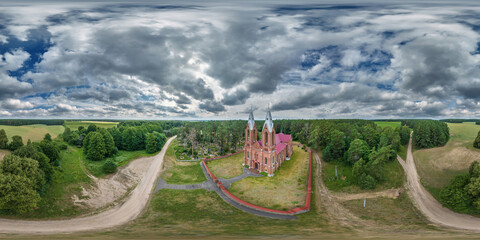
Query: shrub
x,y
109,167
367,182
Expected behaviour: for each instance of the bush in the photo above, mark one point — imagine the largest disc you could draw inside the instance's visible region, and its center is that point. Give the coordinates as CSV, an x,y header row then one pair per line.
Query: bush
x,y
109,167
454,196
367,182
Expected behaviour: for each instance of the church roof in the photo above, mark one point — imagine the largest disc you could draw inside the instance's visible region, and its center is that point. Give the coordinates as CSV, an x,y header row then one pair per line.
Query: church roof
x,y
280,147
268,122
251,121
282,137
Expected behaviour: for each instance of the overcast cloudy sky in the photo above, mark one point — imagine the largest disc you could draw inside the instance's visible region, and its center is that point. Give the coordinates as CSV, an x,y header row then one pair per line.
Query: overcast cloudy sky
x,y
210,60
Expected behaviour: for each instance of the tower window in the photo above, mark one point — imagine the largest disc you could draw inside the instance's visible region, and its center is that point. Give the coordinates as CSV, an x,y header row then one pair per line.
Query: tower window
x,y
265,160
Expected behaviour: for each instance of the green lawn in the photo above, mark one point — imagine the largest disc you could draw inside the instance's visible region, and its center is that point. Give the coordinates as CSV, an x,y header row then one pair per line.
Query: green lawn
x,y
384,124
284,191
398,213
34,132
202,213
181,172
67,180
75,124
121,158
227,167
394,173
437,166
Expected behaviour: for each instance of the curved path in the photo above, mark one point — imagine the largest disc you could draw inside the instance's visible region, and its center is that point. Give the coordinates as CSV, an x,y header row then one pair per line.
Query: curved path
x,y
120,214
429,206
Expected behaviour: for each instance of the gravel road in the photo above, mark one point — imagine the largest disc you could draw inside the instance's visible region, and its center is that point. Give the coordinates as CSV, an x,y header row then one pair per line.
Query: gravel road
x,y
429,206
120,214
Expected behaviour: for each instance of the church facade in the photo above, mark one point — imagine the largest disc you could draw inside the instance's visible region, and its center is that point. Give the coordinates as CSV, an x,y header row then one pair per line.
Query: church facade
x,y
268,153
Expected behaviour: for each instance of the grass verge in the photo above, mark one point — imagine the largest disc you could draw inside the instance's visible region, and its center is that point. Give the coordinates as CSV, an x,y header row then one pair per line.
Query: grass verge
x,y
227,167
284,191
180,172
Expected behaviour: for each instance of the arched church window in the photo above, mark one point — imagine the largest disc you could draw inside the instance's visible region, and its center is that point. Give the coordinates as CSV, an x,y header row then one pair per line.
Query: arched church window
x,y
265,160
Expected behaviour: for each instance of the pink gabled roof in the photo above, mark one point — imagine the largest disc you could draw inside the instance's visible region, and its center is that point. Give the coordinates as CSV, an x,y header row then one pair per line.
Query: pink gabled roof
x,y
280,147
259,143
282,137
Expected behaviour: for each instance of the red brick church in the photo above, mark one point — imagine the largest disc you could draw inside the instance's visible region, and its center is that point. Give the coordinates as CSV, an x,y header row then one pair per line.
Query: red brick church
x,y
267,154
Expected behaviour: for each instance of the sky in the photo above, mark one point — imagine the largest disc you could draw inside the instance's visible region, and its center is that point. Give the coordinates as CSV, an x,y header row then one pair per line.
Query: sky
x,y
217,60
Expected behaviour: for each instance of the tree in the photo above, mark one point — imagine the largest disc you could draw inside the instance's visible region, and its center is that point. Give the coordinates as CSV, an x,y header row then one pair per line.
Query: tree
x,y
3,139
52,151
16,143
151,143
404,133
476,143
17,193
91,128
358,149
96,147
161,139
26,167
359,168
109,143
33,152
336,143
454,196
47,137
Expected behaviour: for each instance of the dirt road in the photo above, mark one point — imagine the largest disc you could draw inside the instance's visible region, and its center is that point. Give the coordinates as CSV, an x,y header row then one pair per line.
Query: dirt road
x,y
116,216
429,206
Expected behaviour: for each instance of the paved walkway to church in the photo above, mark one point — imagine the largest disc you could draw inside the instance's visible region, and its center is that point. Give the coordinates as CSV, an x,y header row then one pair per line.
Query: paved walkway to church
x,y
209,185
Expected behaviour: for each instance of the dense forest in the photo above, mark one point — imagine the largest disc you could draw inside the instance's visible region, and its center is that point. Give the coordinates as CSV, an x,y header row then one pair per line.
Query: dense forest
x,y
428,133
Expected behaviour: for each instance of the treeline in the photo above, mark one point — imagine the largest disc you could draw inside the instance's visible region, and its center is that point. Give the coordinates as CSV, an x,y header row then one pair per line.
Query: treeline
x,y
428,133
26,173
100,143
227,135
463,193
21,122
459,120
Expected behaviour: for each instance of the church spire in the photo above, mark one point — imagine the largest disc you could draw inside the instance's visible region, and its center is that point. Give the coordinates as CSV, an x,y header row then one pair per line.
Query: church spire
x,y
268,121
251,121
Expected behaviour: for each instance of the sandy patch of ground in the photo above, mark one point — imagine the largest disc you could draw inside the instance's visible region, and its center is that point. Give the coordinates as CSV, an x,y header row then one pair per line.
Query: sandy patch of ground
x,y
3,153
393,193
107,190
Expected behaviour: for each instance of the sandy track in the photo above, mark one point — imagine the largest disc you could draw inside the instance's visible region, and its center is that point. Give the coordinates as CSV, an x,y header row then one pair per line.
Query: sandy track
x,y
429,206
389,193
116,216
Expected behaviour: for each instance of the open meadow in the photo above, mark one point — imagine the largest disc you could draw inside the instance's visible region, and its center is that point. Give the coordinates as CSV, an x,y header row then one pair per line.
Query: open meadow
x,y
75,124
284,191
437,166
34,132
384,124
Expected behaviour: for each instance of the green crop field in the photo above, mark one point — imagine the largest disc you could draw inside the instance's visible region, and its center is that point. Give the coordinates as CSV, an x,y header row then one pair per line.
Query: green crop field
x,y
75,124
34,132
437,166
393,125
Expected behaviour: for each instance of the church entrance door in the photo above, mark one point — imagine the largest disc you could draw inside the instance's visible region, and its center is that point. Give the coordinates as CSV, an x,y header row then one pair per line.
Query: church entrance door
x,y
256,166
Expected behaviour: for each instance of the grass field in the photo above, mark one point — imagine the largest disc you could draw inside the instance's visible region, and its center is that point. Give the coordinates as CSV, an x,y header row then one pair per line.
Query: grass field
x,y
180,172
398,212
34,132
437,166
67,180
393,125
394,173
284,191
75,124
227,167
121,158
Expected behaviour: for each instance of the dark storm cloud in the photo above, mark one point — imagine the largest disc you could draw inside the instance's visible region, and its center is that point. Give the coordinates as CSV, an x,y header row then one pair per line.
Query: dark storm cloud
x,y
342,59
236,98
212,106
